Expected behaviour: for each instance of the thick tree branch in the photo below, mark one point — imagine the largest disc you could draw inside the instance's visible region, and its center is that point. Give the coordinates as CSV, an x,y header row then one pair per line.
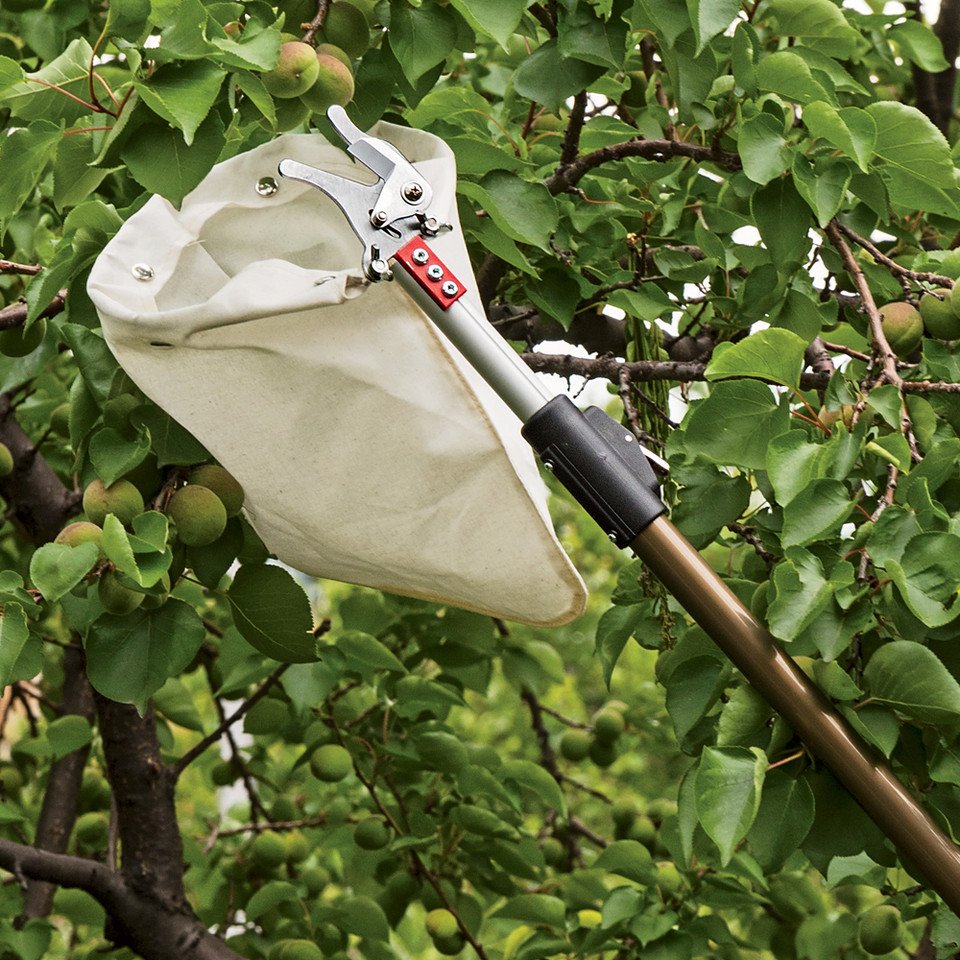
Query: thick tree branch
x,y
15,315
59,810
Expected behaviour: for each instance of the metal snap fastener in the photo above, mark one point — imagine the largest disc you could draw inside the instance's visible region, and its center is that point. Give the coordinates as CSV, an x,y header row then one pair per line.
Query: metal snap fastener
x,y
420,255
267,186
142,272
449,288
435,271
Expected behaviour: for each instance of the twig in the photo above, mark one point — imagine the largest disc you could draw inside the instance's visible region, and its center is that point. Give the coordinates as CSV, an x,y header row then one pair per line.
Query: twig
x,y
892,265
27,269
317,22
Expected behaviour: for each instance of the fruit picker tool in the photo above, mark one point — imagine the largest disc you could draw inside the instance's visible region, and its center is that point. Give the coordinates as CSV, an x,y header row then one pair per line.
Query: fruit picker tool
x,y
610,474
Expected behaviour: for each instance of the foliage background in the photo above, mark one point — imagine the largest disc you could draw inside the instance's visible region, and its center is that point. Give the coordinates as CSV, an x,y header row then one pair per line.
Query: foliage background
x,y
733,163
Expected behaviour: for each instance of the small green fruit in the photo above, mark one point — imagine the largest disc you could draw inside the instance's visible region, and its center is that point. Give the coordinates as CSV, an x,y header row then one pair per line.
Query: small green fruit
x,y
81,531
371,834
267,716
6,461
644,831
121,498
330,763
660,808
347,27
115,597
298,847
301,950
623,813
199,515
575,745
330,938
603,753
12,780
17,343
223,773
441,924
881,930
295,72
608,725
449,946
314,879
222,483
902,326
554,852
332,50
334,84
939,315
268,850
91,830
283,808
669,879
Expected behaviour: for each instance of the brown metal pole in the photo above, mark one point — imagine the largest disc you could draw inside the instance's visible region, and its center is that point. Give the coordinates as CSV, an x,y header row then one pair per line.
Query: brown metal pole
x,y
800,702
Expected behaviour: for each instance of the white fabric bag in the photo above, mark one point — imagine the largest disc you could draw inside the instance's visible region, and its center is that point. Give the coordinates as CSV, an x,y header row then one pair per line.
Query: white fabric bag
x,y
369,450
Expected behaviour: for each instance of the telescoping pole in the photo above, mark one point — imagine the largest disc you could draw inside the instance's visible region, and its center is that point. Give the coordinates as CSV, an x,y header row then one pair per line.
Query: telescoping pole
x,y
604,468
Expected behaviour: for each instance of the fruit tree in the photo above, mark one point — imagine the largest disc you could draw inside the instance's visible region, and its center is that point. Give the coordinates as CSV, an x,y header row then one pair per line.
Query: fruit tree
x,y
747,214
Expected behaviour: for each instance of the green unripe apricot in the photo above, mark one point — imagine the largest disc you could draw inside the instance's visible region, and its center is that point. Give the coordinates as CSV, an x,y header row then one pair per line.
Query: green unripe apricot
x,y
347,27
314,879
82,531
115,597
603,752
881,930
371,834
441,924
334,84
669,879
267,716
223,773
6,461
121,498
298,847
554,853
17,343
608,724
940,316
222,483
12,780
449,946
283,808
643,831
295,73
332,50
575,745
330,938
623,813
902,326
330,763
91,830
268,850
199,515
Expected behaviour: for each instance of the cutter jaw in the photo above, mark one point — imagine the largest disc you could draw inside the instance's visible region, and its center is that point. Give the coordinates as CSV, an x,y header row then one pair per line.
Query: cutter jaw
x,y
385,215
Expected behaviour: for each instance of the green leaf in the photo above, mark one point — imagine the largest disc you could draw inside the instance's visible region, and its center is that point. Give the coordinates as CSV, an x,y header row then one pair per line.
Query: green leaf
x,y
363,917
710,18
788,75
127,19
729,784
23,157
819,20
783,821
763,148
614,629
495,18
113,455
743,718
774,354
783,221
911,678
130,657
851,130
536,781
524,211
367,654
692,689
802,591
97,364
735,424
630,859
172,443
585,36
270,895
13,637
709,500
420,38
550,78
920,45
928,577
183,94
823,185
56,569
915,158
817,510
175,701
67,734
35,97
535,908
272,613
793,462
160,161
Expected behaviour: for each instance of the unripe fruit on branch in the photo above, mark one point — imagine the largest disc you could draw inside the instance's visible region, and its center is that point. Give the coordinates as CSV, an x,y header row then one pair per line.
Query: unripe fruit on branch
x,y
334,84
608,724
902,326
82,531
91,830
441,924
115,597
881,930
121,498
300,950
16,342
268,850
575,745
199,515
332,50
330,763
295,72
346,26
6,461
371,834
940,315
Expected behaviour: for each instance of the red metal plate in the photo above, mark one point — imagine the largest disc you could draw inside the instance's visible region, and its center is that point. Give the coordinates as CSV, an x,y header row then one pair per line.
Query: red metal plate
x,y
419,260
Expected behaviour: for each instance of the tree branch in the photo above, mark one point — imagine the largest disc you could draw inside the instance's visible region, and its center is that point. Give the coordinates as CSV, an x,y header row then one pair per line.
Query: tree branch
x,y
15,315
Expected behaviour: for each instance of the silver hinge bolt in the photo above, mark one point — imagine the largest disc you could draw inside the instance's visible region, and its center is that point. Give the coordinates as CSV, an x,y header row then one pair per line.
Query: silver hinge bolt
x,y
449,288
435,271
412,192
420,255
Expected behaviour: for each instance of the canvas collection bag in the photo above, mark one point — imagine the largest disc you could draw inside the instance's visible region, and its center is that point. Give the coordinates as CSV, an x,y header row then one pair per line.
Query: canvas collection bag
x,y
369,450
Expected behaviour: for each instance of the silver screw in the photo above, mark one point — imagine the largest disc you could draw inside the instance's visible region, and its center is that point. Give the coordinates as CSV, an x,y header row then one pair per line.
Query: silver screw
x,y
380,218
628,438
612,537
548,465
420,256
267,186
449,288
435,271
142,272
412,192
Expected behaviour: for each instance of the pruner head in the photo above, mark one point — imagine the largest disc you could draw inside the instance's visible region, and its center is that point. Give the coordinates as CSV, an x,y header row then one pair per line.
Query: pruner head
x,y
384,214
